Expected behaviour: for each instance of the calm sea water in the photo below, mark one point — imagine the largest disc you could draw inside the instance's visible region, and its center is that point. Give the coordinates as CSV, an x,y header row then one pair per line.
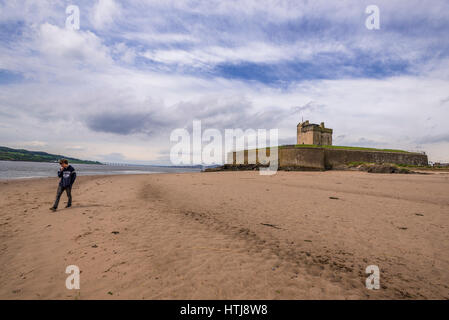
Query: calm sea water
x,y
22,169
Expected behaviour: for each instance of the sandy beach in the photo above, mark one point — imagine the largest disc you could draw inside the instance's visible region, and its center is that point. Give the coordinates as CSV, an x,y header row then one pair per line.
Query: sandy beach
x,y
228,235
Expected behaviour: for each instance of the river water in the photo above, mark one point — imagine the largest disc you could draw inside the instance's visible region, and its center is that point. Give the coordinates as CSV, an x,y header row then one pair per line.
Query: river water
x,y
24,169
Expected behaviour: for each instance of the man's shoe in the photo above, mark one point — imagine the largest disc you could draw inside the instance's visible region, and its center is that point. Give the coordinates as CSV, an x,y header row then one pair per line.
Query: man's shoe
x,y
68,206
53,209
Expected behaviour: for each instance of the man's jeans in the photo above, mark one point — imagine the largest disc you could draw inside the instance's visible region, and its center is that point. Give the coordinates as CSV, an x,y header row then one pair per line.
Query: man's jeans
x,y
61,189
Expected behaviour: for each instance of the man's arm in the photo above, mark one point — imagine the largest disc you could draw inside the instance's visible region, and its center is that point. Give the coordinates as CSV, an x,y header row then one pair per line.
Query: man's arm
x,y
60,172
73,177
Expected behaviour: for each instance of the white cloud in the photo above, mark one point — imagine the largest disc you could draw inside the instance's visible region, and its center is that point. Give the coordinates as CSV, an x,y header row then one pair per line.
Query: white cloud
x,y
256,52
61,45
157,38
31,144
104,12
75,148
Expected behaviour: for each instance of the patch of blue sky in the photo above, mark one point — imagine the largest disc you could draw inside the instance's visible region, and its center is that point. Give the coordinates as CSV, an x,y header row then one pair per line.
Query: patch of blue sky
x,y
8,77
321,67
10,31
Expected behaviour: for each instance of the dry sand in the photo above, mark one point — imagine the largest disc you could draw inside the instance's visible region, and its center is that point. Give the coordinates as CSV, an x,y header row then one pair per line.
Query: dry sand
x,y
228,235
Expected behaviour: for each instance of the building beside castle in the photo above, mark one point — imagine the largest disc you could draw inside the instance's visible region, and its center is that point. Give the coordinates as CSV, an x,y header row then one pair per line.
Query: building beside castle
x,y
310,133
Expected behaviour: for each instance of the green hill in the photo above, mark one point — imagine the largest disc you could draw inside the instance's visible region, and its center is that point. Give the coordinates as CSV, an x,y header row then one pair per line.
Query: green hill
x,y
36,156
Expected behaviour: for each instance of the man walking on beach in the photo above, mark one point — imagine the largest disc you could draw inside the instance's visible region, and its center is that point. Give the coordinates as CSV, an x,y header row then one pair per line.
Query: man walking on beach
x,y
68,175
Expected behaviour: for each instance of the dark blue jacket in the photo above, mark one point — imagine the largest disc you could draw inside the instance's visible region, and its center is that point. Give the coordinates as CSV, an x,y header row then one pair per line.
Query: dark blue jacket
x,y
68,176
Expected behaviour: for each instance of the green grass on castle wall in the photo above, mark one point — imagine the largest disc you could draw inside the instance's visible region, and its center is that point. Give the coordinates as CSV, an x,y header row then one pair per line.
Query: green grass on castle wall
x,y
336,147
343,148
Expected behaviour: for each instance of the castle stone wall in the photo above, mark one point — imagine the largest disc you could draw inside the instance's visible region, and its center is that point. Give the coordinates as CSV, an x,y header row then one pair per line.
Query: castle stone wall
x,y
322,158
308,158
326,139
337,157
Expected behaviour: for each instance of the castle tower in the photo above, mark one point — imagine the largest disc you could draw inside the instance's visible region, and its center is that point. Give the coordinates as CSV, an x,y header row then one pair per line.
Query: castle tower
x,y
310,133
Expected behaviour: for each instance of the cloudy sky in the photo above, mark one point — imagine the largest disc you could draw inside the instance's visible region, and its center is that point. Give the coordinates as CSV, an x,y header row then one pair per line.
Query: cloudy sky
x,y
114,89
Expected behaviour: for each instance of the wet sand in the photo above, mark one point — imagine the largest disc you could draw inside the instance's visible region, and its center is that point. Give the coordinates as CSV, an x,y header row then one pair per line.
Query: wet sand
x,y
228,235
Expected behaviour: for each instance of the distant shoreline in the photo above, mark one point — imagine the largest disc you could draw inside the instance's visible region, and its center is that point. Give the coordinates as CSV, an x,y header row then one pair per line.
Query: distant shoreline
x,y
11,154
54,162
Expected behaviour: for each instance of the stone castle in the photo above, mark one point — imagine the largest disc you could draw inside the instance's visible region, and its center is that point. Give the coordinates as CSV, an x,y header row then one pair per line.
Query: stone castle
x,y
310,133
311,157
